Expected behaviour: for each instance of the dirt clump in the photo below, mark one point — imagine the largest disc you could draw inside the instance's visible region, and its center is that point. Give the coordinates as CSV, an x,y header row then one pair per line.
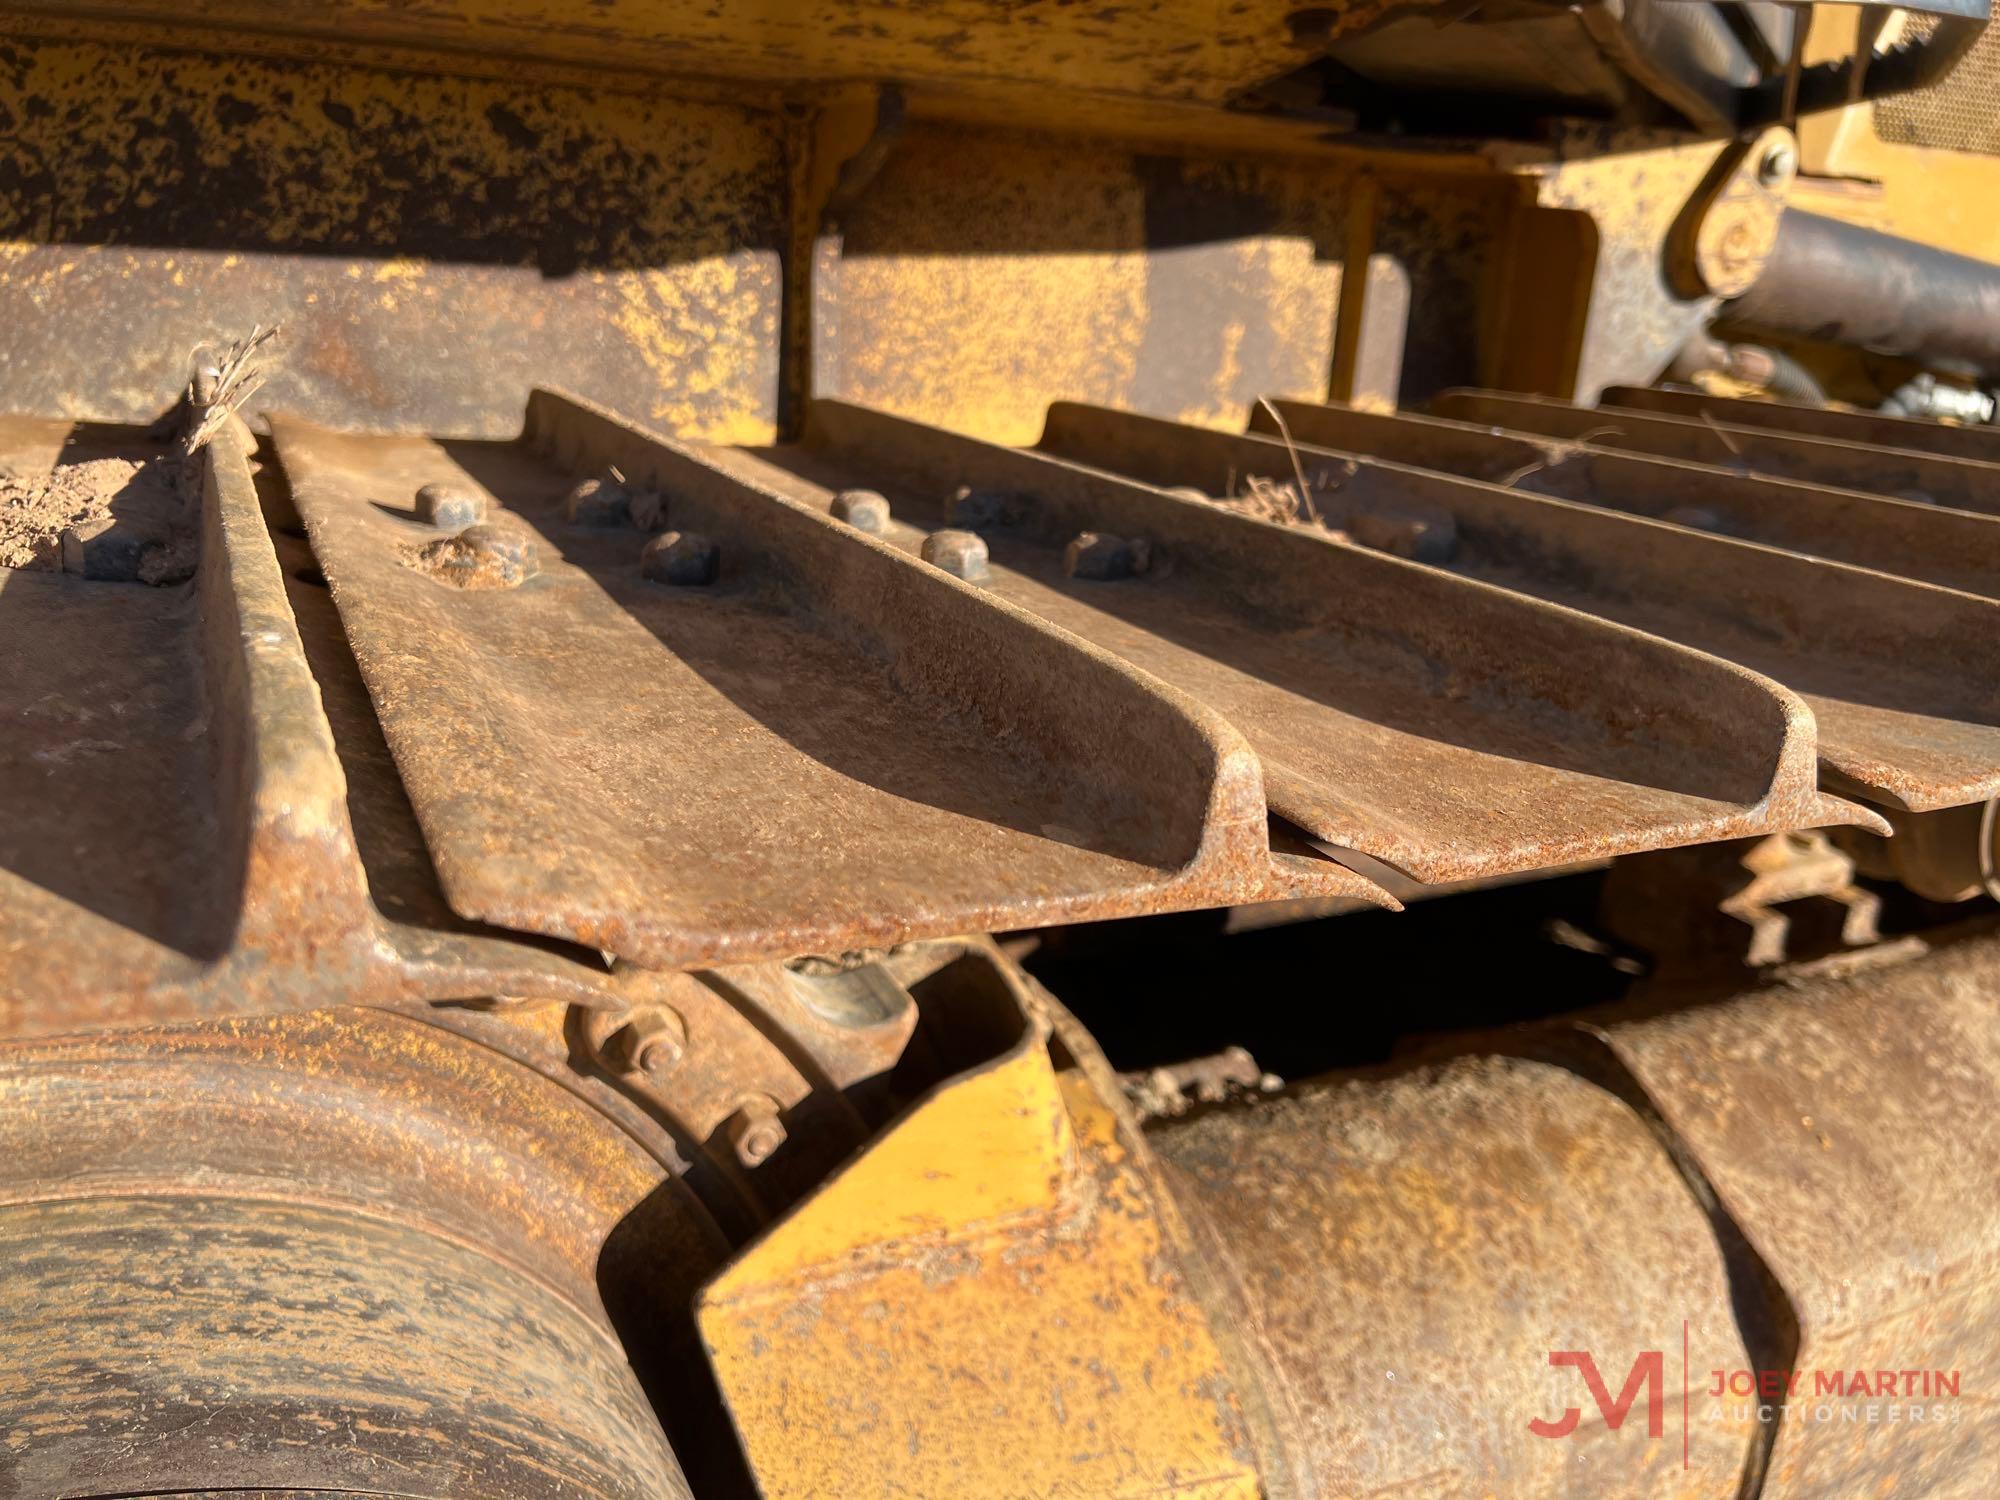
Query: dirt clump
x,y
108,518
486,556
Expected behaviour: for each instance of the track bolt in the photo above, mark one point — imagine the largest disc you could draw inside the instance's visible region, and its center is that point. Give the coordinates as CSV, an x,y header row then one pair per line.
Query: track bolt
x,y
755,1130
598,502
864,510
648,509
450,507
652,1041
681,557
206,383
1100,555
974,509
960,553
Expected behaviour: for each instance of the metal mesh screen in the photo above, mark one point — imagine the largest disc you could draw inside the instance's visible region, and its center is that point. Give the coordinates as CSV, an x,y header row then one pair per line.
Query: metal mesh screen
x,y
1962,113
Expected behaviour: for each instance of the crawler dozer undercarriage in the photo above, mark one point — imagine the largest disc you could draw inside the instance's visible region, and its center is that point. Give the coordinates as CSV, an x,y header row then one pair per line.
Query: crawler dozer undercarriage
x,y
999,749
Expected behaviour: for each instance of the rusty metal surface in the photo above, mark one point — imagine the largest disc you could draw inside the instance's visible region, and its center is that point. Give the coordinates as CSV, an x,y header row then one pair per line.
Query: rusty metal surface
x,y
1957,549
1406,437
457,1249
1753,904
177,839
827,747
1591,1188
1943,856
1422,255
1434,726
1847,1125
1903,472
1800,1174
345,1251
1905,696
1400,1253
425,1244
1980,443
288,1280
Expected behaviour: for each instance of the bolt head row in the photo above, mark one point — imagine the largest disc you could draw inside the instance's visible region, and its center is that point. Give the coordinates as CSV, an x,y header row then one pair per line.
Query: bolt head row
x,y
754,1130
652,1041
681,557
450,507
960,553
598,502
864,510
1100,555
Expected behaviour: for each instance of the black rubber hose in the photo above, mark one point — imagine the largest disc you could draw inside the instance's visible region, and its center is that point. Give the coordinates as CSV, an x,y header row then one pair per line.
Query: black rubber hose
x,y
1838,283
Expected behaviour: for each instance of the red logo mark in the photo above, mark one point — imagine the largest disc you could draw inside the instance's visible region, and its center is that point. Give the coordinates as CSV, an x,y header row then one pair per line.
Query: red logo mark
x,y
1648,1370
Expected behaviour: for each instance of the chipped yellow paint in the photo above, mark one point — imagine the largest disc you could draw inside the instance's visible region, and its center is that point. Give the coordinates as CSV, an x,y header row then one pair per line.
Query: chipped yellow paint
x,y
706,389
1013,1151
1048,324
1156,50
392,224
986,275
1021,1330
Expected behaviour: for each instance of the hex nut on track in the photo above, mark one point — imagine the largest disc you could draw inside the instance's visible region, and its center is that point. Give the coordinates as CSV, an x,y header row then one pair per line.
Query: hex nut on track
x,y
755,1131
1100,555
864,510
598,502
960,553
976,508
652,1041
205,382
450,507
648,509
682,558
